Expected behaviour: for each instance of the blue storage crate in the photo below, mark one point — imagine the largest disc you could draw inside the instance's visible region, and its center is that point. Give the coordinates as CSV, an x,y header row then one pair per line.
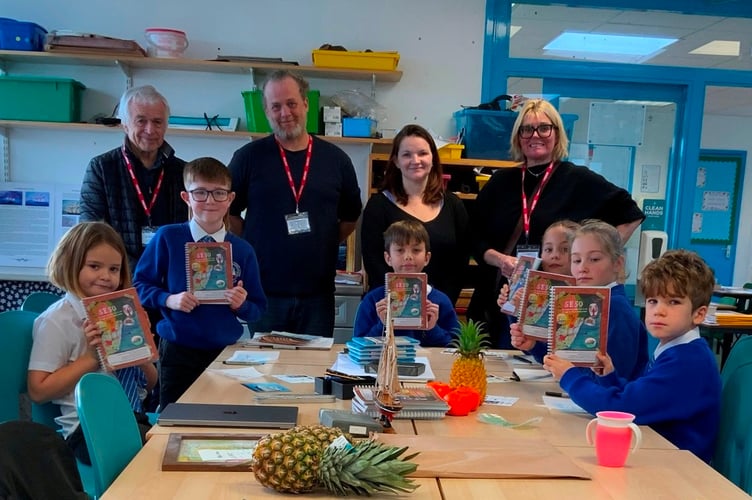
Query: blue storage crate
x,y
358,127
19,35
488,133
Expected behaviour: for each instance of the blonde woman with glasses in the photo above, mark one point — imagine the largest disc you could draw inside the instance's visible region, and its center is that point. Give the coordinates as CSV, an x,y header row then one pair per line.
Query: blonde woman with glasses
x,y
517,205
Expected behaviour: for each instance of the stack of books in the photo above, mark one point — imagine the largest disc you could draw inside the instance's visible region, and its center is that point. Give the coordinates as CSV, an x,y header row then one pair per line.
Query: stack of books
x,y
731,318
418,403
367,350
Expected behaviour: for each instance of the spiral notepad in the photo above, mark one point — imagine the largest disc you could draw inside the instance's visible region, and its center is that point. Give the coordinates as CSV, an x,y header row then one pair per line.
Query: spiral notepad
x,y
408,291
208,270
578,322
534,305
126,337
517,282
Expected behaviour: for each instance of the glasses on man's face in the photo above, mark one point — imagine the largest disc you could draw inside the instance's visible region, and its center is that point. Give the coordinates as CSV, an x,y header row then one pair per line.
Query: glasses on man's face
x,y
203,194
544,130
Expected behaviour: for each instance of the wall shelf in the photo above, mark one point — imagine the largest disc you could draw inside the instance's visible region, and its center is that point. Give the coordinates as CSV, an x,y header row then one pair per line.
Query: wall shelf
x,y
92,127
128,63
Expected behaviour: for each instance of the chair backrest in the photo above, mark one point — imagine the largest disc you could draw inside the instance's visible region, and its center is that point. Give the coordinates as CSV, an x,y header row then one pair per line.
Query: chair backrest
x,y
740,354
38,302
15,334
109,427
733,452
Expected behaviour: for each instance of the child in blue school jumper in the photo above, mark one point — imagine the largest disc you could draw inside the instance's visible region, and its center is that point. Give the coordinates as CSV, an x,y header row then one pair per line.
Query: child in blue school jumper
x,y
597,256
407,250
193,334
679,394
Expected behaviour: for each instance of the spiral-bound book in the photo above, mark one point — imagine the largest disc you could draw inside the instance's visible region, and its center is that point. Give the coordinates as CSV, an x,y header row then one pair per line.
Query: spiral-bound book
x,y
126,337
517,282
208,270
534,305
579,323
408,293
418,403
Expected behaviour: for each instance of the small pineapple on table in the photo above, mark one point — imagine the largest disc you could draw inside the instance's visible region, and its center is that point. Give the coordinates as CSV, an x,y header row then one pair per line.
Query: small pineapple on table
x,y
301,459
469,368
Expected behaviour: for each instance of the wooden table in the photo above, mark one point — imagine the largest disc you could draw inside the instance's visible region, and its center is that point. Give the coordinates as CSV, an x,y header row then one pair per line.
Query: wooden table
x,y
656,470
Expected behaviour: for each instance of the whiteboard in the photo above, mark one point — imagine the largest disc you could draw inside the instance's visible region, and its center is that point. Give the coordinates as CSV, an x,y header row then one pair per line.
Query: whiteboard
x,y
616,124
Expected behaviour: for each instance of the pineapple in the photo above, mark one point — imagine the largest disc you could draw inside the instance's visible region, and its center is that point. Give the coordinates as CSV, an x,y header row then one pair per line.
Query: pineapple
x,y
468,369
300,459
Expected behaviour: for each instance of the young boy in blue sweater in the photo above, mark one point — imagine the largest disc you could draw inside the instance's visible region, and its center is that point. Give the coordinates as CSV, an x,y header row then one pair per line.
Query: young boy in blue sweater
x,y
406,250
679,395
192,335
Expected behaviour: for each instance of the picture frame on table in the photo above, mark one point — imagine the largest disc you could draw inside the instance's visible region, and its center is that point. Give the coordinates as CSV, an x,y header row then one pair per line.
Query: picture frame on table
x,y
209,452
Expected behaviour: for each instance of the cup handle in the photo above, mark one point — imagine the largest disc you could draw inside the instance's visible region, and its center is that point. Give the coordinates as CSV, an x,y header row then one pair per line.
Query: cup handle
x,y
589,431
637,437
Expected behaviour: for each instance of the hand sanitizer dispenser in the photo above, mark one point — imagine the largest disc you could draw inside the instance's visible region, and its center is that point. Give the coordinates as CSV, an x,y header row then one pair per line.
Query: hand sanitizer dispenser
x,y
652,245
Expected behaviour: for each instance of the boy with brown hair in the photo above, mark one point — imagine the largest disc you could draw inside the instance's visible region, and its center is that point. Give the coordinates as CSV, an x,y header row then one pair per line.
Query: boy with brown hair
x,y
679,394
407,250
192,334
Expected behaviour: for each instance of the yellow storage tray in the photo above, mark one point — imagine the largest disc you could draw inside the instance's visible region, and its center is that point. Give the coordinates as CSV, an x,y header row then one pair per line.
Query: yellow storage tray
x,y
382,61
451,151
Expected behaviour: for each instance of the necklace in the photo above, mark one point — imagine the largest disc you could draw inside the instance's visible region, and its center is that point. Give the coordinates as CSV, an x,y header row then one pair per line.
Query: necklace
x,y
533,173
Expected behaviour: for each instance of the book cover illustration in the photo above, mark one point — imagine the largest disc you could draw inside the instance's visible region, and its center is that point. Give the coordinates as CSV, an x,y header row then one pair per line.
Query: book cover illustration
x,y
517,282
126,337
208,268
534,307
579,322
286,340
418,403
408,300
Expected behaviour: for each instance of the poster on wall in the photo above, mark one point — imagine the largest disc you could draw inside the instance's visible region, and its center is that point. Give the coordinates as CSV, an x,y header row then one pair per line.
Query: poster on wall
x,y
714,202
33,218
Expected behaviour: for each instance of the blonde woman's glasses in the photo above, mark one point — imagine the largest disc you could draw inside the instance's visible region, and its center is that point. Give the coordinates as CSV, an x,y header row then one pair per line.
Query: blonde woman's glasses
x,y
544,130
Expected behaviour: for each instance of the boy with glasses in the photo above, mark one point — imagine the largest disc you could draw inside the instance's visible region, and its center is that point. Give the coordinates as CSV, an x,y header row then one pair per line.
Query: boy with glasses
x,y
194,334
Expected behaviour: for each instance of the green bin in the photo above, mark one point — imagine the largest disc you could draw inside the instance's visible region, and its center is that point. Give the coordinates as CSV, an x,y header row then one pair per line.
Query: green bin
x,y
256,119
37,98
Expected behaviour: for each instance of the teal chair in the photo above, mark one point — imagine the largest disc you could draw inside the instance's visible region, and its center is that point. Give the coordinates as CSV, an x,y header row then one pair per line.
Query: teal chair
x,y
733,453
38,302
740,354
109,427
15,334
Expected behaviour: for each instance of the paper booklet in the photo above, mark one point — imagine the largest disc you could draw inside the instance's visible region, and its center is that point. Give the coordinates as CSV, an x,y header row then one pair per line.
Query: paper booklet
x,y
579,323
534,304
517,282
408,291
208,270
285,340
126,337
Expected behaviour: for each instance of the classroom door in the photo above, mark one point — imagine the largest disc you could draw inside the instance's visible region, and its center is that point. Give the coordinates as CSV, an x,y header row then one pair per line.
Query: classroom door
x,y
714,208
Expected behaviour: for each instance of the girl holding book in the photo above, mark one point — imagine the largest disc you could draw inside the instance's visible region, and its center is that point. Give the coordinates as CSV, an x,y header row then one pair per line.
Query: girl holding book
x,y
554,256
597,259
89,260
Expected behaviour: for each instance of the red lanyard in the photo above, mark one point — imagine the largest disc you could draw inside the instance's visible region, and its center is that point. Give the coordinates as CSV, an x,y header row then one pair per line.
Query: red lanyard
x,y
297,194
140,195
525,213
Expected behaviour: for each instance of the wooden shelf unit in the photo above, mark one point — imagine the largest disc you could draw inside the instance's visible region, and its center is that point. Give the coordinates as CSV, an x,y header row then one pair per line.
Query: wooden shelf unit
x,y
92,127
128,63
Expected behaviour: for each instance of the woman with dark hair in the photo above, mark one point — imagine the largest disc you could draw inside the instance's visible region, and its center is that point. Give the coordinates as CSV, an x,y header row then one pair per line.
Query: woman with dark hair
x,y
413,190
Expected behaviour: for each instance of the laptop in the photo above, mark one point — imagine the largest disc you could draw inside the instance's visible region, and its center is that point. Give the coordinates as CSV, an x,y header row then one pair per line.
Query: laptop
x,y
229,415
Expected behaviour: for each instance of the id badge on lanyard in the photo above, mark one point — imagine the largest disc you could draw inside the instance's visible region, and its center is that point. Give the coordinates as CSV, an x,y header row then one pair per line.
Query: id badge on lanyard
x,y
147,233
297,223
528,250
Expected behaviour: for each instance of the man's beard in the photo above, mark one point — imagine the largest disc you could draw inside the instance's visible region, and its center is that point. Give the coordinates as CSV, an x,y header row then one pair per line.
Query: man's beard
x,y
288,135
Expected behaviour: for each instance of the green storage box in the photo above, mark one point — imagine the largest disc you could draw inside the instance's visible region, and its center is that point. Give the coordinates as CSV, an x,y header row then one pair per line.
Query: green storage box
x,y
37,98
256,119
